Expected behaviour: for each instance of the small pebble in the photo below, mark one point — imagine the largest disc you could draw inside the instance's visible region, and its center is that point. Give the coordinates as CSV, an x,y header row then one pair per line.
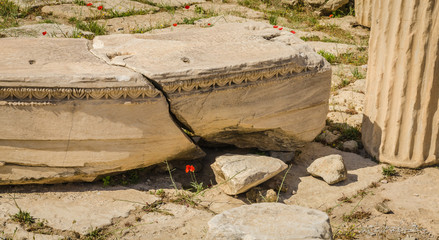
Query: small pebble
x,y
384,181
383,208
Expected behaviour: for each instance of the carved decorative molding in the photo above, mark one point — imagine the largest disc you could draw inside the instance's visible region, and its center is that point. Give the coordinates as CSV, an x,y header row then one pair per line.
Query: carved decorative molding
x,y
235,79
22,93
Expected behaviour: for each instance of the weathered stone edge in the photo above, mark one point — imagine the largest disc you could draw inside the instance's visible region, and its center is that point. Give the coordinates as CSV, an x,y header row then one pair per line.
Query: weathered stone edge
x,y
236,78
38,93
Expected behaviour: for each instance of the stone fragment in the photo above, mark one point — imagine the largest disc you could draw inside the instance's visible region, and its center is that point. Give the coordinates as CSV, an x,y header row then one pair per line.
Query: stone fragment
x,y
383,208
122,6
52,30
315,3
332,5
68,11
328,137
238,173
269,221
231,9
245,84
31,4
331,168
350,146
270,196
363,12
144,23
401,111
68,116
176,3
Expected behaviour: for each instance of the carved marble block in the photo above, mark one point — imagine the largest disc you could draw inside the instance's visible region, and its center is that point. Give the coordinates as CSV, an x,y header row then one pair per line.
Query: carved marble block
x,y
401,115
245,84
66,115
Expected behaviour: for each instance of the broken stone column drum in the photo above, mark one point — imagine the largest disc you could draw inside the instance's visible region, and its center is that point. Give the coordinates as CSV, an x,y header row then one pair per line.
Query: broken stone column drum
x,y
401,116
363,12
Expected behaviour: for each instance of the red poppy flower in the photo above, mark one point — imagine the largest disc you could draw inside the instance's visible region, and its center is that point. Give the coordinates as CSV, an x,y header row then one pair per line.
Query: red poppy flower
x,y
281,28
332,15
187,6
275,26
293,32
44,33
208,24
174,24
100,7
89,4
190,168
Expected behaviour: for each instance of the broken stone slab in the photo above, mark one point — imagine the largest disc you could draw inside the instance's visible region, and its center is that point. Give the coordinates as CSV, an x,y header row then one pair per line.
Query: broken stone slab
x,y
31,4
231,9
122,6
245,84
238,173
269,221
176,3
331,168
68,11
52,31
144,23
68,116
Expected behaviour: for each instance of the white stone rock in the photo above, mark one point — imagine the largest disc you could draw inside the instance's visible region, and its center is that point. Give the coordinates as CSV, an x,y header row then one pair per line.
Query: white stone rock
x,y
328,137
269,221
65,116
331,168
68,11
246,84
52,31
176,3
332,5
350,146
238,173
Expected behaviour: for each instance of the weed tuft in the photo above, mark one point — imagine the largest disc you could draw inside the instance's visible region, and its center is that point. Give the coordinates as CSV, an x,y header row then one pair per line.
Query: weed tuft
x,y
91,26
389,171
23,217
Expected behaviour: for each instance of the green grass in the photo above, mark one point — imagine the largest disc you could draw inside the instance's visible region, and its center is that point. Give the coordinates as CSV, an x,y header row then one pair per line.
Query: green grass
x,y
96,234
334,31
9,14
354,58
331,58
144,30
91,26
23,217
273,19
79,2
357,74
389,171
114,13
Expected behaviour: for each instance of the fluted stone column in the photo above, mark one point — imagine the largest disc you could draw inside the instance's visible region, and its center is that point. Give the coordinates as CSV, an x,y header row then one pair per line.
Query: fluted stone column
x,y
363,12
401,116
